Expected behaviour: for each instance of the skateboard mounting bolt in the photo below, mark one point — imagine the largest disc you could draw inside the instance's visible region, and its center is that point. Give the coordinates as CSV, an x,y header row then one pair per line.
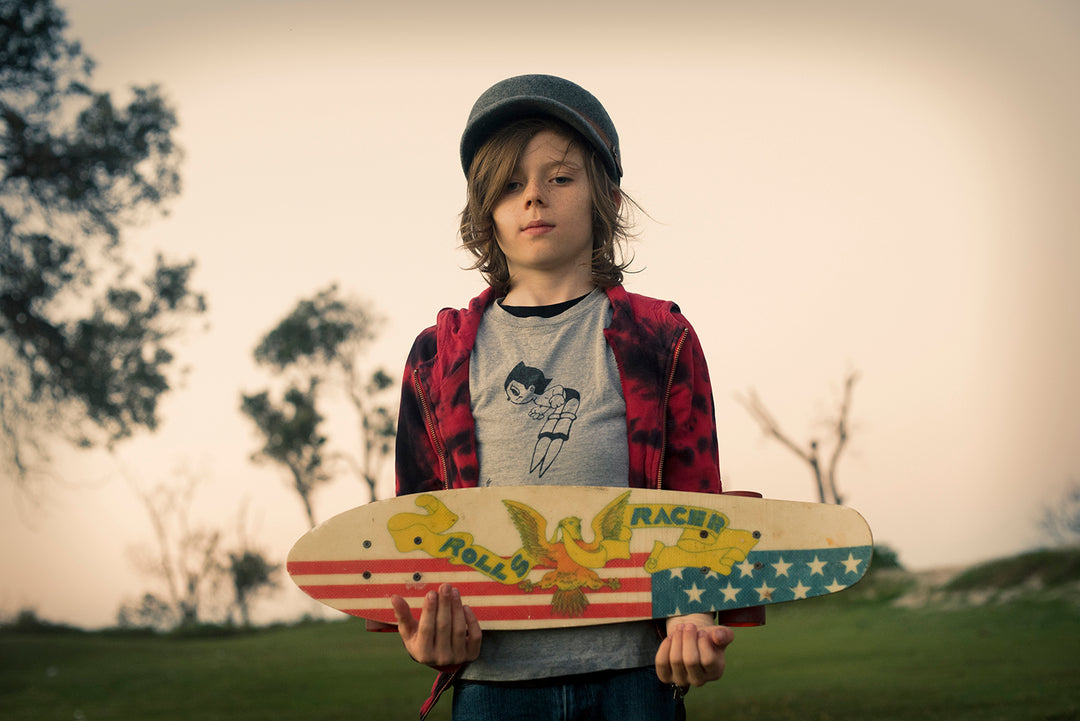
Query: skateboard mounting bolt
x,y
418,541
367,544
704,570
756,534
416,577
367,575
758,566
703,534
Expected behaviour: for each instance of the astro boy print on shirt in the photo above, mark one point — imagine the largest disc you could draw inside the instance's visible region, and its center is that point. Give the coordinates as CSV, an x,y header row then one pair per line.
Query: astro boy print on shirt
x,y
555,405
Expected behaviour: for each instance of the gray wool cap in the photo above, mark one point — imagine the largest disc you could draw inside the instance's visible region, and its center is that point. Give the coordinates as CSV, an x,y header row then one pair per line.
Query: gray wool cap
x,y
527,96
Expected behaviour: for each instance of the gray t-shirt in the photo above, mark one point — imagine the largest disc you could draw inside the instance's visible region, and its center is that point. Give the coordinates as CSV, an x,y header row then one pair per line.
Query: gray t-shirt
x,y
547,400
549,410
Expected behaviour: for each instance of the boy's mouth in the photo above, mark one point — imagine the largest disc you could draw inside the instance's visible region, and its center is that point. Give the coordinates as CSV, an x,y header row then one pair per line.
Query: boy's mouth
x,y
538,224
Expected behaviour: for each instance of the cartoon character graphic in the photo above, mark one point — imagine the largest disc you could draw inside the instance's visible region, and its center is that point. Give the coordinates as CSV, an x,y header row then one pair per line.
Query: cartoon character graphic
x,y
555,404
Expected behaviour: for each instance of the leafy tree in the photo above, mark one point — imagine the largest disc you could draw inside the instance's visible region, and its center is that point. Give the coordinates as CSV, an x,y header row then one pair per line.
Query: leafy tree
x,y
323,339
293,439
251,574
85,344
824,477
150,611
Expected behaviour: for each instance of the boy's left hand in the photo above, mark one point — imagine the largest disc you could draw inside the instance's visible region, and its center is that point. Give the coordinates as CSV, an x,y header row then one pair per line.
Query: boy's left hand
x,y
693,652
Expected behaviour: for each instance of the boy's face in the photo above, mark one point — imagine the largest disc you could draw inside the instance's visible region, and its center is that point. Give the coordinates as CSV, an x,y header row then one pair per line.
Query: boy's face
x,y
543,221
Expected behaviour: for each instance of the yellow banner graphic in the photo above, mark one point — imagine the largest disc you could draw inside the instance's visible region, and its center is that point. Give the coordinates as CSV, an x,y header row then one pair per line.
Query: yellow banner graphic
x,y
706,540
428,533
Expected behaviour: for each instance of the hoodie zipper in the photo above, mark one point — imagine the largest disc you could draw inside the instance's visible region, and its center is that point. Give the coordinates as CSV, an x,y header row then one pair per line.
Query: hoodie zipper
x,y
663,409
429,423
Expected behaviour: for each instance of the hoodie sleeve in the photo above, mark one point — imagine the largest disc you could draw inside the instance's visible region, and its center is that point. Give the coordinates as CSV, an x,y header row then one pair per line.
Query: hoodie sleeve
x,y
418,461
692,457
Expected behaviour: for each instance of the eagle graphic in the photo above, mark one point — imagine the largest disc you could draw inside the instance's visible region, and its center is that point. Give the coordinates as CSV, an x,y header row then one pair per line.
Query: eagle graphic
x,y
569,555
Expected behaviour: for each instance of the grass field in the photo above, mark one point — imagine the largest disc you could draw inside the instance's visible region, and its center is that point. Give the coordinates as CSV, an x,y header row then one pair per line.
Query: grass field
x,y
832,658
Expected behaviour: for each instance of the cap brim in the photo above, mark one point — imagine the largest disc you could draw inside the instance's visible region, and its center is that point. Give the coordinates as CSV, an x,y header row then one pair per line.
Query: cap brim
x,y
485,124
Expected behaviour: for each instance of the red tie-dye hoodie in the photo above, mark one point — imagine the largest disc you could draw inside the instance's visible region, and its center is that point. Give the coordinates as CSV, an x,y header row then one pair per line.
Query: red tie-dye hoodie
x,y
671,427
670,423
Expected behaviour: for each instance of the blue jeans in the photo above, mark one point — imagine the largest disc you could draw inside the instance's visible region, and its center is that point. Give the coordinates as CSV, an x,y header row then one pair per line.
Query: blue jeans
x,y
631,695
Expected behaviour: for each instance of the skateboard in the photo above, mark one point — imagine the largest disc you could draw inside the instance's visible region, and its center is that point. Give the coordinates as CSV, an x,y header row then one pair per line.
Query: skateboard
x,y
544,556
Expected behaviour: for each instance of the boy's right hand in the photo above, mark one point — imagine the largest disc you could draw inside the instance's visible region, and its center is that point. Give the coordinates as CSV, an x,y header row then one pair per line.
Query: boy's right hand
x,y
447,634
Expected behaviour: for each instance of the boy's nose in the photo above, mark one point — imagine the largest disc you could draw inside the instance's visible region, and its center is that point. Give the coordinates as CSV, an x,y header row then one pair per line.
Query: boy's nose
x,y
533,194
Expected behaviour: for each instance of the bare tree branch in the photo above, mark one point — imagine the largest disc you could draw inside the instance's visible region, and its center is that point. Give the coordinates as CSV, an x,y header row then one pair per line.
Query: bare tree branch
x,y
826,484
187,559
841,430
769,425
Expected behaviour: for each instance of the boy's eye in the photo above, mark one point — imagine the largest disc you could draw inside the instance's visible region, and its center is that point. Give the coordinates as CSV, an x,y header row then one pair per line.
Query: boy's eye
x,y
512,186
561,179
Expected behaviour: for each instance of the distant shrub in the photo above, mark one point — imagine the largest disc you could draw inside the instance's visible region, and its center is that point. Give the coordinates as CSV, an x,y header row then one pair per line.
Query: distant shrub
x,y
1048,567
885,557
882,585
209,630
27,621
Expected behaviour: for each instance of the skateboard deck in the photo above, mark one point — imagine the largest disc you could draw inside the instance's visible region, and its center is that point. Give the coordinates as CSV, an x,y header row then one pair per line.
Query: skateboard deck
x,y
544,556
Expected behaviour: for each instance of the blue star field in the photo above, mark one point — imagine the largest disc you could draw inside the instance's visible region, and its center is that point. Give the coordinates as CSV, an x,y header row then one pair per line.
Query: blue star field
x,y
764,577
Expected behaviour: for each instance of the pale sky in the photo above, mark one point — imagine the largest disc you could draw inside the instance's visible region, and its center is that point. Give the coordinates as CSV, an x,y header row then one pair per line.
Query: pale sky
x,y
888,186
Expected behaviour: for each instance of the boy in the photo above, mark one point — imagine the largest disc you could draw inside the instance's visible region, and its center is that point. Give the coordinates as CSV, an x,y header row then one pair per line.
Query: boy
x,y
555,375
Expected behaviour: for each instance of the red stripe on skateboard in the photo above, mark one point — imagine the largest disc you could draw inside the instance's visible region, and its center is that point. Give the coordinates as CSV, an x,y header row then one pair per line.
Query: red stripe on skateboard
x,y
468,589
400,565
596,611
413,565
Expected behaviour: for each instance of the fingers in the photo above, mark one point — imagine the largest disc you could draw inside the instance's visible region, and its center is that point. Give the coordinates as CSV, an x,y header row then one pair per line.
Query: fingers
x,y
435,626
457,630
663,659
721,636
693,656
712,644
449,628
405,621
473,634
446,634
